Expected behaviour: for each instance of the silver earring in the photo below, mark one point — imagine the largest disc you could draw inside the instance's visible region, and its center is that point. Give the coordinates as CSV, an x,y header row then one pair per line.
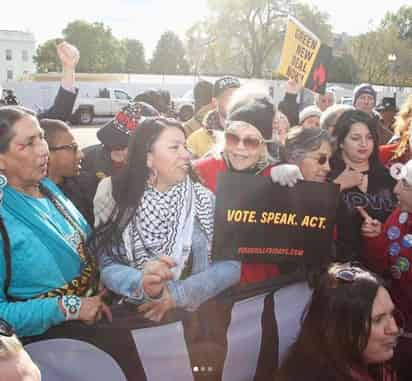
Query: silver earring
x,y
3,183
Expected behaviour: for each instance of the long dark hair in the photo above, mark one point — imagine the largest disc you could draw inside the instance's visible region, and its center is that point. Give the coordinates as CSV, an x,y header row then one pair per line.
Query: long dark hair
x,y
342,128
335,329
129,185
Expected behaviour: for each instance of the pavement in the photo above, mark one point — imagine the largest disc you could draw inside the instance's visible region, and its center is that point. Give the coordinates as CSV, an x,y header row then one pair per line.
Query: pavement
x,y
86,135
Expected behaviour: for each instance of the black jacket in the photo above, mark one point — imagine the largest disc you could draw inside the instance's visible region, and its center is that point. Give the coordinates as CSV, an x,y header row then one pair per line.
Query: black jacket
x,y
62,107
379,201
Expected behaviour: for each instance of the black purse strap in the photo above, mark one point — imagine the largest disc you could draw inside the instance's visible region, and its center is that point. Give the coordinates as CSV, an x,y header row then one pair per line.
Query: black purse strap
x,y
7,258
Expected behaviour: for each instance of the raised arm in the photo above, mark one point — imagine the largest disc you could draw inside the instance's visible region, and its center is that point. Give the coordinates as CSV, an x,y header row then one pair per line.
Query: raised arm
x,y
66,96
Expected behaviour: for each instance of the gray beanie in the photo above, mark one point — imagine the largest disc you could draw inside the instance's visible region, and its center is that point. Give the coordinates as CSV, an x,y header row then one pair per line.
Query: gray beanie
x,y
364,88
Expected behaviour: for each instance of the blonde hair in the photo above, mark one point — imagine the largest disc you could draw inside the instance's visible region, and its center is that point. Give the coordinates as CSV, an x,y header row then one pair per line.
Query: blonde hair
x,y
247,92
403,126
9,346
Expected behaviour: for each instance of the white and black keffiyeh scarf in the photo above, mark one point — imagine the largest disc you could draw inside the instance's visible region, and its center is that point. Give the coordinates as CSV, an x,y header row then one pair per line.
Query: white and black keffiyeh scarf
x,y
163,224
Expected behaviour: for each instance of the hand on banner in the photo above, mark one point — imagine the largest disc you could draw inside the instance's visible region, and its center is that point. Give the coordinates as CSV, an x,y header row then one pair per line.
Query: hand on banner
x,y
156,309
286,174
155,275
93,308
370,228
292,87
349,178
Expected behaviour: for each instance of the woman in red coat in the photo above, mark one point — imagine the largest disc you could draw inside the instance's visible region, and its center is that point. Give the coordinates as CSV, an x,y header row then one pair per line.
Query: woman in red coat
x,y
247,139
399,151
388,251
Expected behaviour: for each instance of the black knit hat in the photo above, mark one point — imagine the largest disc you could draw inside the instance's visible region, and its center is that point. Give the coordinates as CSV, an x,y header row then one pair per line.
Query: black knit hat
x,y
116,132
259,112
224,83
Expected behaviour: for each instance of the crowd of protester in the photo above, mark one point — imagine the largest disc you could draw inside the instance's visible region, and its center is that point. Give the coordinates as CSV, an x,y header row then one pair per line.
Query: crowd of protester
x,y
133,218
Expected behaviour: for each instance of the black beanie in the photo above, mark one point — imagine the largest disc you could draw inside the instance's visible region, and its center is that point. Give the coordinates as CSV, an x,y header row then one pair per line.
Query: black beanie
x,y
259,112
116,132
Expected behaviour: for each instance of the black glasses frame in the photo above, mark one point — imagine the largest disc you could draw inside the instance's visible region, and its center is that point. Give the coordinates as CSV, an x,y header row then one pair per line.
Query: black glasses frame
x,y
72,146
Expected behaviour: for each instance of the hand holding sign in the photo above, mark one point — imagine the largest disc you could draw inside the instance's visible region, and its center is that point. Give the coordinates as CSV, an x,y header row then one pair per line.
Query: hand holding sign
x,y
293,87
370,228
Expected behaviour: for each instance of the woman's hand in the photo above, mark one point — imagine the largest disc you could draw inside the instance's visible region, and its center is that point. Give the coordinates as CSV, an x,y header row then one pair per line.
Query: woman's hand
x,y
286,174
69,55
155,310
370,228
292,87
93,308
349,178
155,275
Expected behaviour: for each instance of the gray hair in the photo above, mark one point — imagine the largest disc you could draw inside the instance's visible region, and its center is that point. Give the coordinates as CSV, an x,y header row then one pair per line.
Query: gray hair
x,y
329,116
301,141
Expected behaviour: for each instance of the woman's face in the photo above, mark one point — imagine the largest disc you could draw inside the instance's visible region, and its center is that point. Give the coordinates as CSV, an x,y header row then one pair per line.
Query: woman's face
x,y
315,164
25,162
280,127
241,154
311,122
169,160
357,147
384,330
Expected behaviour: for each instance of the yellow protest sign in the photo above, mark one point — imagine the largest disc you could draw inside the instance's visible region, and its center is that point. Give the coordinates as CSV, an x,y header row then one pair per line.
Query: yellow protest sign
x,y
299,52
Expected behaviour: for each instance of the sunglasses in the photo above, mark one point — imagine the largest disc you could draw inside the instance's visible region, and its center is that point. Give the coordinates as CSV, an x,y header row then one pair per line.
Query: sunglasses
x,y
248,142
72,147
6,329
321,160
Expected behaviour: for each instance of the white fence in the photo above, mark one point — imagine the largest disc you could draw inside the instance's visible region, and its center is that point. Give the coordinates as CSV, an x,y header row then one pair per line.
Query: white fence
x,y
40,95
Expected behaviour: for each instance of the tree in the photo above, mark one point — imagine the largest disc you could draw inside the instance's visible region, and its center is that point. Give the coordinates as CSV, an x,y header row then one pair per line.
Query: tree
x,y
402,20
46,58
343,69
246,35
169,56
99,50
135,61
315,20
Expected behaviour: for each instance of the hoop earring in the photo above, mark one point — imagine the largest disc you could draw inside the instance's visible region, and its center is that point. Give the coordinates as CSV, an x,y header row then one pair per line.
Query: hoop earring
x,y
3,183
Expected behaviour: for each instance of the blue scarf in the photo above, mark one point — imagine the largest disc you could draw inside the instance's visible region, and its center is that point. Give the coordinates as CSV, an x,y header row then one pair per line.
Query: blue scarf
x,y
34,218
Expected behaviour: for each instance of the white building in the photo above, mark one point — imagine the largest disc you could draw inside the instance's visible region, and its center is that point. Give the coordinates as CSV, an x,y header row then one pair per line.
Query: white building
x,y
16,55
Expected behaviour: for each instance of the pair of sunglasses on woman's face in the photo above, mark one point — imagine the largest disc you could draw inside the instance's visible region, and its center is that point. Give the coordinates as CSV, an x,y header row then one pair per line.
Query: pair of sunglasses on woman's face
x,y
321,159
249,142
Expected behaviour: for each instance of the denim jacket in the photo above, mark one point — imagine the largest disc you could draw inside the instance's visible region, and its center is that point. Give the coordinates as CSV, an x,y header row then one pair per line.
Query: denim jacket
x,y
206,281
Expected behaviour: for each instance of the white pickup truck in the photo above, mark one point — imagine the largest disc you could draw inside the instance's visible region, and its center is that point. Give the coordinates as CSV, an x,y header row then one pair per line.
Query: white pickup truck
x,y
107,102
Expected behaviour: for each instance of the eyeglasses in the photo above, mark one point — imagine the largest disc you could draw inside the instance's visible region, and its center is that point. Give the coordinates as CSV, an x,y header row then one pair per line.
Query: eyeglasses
x,y
73,147
249,142
6,329
321,159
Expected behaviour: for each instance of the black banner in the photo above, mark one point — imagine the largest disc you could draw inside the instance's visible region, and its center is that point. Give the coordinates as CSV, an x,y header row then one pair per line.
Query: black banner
x,y
318,76
258,221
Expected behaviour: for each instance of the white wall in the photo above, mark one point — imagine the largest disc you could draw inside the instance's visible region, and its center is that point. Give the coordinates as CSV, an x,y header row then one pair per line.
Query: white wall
x,y
17,42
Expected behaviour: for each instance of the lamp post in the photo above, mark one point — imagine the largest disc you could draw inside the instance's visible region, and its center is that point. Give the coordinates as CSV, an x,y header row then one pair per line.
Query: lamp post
x,y
392,63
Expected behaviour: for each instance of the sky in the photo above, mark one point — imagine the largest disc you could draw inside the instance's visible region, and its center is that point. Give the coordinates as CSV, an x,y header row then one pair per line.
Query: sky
x,y
146,20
